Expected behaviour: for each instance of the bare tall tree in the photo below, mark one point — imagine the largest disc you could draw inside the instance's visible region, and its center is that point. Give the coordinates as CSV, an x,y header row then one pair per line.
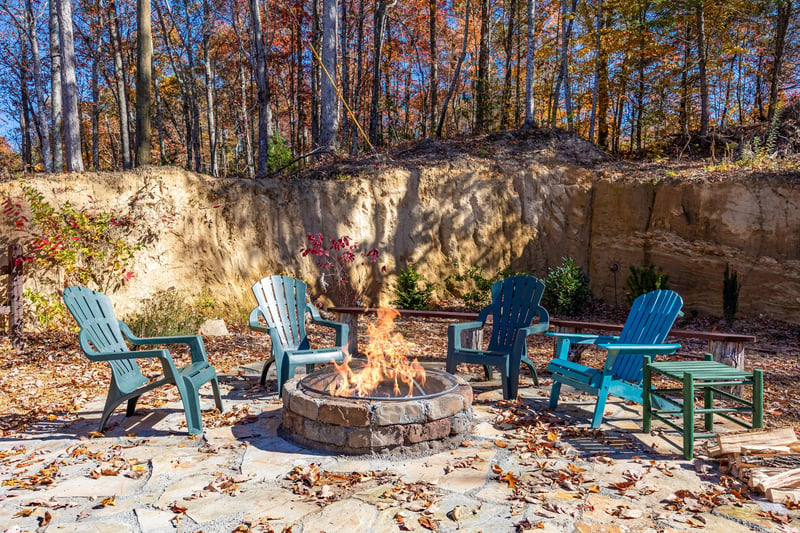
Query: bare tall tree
x,y
379,28
482,85
781,26
456,74
433,6
529,65
262,87
510,29
211,121
42,125
329,103
69,88
56,107
701,64
144,78
598,58
122,91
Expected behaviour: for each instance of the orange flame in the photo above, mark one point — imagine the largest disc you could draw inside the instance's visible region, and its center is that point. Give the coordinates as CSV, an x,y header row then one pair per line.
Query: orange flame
x,y
387,361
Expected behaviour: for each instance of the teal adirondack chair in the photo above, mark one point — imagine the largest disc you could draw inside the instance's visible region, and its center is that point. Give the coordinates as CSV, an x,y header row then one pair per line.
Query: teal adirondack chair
x,y
283,306
645,329
514,307
103,338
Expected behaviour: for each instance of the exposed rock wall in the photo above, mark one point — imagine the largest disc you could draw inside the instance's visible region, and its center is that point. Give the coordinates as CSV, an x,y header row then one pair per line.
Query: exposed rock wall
x,y
225,234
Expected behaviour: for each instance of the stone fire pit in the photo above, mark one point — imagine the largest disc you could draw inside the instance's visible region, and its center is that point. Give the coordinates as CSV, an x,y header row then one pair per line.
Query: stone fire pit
x,y
434,419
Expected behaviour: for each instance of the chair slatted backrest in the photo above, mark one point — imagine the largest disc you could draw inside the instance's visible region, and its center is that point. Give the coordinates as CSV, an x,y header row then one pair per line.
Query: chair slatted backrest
x,y
100,332
649,321
515,304
282,301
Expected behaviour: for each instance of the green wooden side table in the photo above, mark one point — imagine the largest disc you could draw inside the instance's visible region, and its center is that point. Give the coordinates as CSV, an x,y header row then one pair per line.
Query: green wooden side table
x,y
699,377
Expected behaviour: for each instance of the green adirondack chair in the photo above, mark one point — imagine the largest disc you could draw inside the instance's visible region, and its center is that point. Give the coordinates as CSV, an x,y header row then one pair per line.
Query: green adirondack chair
x,y
514,308
103,338
645,329
283,306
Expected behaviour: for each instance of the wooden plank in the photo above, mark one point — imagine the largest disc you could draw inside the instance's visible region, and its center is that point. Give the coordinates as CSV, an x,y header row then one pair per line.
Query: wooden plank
x,y
783,495
774,461
732,442
766,478
766,450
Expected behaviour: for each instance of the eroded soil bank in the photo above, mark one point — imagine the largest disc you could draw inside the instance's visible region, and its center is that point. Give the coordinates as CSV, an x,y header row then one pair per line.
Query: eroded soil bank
x,y
495,204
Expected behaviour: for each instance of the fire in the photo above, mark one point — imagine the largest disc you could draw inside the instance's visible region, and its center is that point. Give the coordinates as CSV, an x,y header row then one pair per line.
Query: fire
x,y
387,362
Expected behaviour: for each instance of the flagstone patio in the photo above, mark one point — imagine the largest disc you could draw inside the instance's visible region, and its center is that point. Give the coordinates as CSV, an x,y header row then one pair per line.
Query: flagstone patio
x,y
522,468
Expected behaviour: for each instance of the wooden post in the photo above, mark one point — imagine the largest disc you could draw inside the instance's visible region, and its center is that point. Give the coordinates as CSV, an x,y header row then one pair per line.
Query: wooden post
x,y
15,295
731,354
351,319
472,339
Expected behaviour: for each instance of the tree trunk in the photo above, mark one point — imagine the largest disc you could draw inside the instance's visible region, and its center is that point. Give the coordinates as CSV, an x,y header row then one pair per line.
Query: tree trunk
x,y
96,108
506,113
457,73
122,93
24,104
316,43
56,108
482,85
144,78
781,26
260,58
530,121
433,8
42,126
379,26
160,123
683,115
641,68
211,119
603,99
329,103
359,73
69,87
248,139
566,23
598,59
345,46
701,63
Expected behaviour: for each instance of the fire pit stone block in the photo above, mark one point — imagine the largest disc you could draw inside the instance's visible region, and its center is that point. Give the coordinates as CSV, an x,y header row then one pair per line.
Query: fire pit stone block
x,y
390,413
343,413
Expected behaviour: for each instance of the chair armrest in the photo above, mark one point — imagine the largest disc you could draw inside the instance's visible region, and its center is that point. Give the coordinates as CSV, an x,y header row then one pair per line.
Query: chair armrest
x,y
582,338
341,329
255,325
454,333
195,342
123,356
643,349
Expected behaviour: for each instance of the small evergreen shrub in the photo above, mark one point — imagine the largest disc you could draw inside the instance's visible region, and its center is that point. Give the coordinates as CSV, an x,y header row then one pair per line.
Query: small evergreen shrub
x,y
644,279
480,294
278,154
730,295
412,290
566,289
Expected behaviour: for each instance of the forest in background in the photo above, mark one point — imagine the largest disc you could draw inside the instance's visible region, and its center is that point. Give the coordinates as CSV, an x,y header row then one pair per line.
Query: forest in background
x,y
245,88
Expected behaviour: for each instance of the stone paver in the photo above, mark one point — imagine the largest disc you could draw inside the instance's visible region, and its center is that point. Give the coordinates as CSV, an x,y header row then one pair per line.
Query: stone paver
x,y
238,475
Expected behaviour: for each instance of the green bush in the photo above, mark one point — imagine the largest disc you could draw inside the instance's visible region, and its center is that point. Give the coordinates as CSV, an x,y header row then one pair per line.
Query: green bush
x,y
278,154
480,293
730,295
644,279
566,289
171,313
412,291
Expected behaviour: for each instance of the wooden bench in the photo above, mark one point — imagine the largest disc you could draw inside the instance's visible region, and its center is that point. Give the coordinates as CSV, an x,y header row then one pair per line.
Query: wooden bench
x,y
726,348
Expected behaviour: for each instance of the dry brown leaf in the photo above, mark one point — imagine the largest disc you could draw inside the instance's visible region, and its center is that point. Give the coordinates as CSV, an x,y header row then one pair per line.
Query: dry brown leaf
x,y
496,469
500,444
427,523
106,502
43,521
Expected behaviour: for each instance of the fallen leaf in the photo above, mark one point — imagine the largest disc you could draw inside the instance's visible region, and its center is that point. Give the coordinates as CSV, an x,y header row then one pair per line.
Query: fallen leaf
x,y
427,523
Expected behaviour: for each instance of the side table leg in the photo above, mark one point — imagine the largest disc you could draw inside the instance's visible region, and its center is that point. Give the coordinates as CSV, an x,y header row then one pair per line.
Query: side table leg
x,y
688,415
708,403
758,399
647,407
